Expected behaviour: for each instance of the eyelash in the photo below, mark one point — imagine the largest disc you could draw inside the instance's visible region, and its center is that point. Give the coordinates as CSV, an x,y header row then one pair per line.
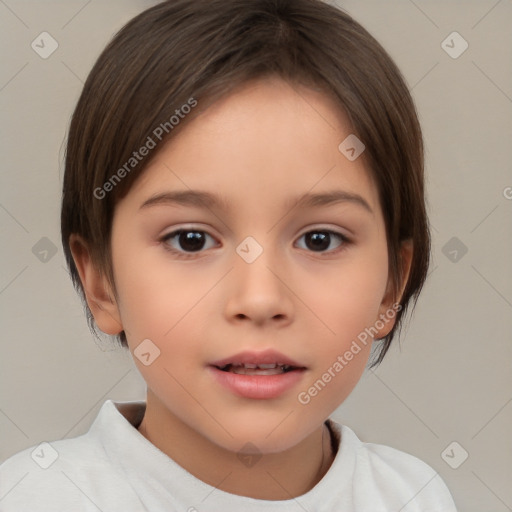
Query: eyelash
x,y
188,255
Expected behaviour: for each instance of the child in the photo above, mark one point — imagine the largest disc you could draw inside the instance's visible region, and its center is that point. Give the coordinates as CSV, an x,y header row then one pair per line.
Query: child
x,y
279,136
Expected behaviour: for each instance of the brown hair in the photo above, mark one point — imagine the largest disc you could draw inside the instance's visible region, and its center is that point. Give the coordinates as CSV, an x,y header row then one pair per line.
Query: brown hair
x,y
202,49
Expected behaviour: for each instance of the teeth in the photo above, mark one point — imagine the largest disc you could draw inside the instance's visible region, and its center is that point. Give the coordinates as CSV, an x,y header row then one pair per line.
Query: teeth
x,y
257,369
243,370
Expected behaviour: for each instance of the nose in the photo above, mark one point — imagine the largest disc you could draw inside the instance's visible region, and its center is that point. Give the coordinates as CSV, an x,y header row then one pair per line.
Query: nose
x,y
259,292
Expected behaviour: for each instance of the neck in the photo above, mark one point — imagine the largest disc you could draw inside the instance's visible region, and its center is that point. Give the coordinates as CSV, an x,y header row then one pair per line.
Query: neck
x,y
274,476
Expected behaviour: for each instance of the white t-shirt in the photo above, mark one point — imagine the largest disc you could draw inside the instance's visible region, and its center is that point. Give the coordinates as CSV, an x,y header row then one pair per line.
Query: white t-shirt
x,y
115,468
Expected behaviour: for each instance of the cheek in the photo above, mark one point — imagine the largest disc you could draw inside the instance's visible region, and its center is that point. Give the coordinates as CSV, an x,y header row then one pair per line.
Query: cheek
x,y
348,306
347,299
157,295
165,304
161,297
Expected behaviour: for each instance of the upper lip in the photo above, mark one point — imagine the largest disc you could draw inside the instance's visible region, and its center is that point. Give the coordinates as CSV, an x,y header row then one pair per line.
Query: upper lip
x,y
266,357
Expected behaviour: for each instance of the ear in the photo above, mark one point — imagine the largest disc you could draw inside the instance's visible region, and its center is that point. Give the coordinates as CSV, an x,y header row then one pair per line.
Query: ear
x,y
389,299
97,289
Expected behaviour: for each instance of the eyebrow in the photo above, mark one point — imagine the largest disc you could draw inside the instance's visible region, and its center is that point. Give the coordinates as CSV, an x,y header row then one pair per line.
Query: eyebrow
x,y
211,201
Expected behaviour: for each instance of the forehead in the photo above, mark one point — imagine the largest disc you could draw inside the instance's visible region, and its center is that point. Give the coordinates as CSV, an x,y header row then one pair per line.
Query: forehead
x,y
267,139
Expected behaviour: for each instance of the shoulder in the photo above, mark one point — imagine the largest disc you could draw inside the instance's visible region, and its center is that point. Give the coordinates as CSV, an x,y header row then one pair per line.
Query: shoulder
x,y
52,476
69,474
46,454
393,478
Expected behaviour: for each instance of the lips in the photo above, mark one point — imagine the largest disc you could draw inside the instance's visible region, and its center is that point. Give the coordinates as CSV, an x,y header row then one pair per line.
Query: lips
x,y
253,375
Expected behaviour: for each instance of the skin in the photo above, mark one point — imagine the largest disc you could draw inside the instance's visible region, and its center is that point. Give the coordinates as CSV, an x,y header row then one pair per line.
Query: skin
x,y
260,147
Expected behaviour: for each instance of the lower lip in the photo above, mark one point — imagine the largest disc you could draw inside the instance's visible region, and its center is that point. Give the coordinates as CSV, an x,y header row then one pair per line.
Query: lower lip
x,y
257,386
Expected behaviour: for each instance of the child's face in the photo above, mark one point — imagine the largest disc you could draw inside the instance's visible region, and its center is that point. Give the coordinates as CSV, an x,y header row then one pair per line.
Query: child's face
x,y
307,297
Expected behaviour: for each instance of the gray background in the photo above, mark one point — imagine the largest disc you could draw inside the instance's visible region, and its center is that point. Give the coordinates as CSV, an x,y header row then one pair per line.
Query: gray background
x,y
450,379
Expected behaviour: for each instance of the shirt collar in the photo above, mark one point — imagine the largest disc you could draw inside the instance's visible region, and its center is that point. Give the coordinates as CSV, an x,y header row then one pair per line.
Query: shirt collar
x,y
148,469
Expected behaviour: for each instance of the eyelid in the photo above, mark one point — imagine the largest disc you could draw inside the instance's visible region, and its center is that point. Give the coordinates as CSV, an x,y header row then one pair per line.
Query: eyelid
x,y
315,227
324,227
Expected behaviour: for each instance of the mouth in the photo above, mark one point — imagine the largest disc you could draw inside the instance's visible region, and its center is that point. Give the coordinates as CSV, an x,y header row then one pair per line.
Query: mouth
x,y
257,369
268,362
258,375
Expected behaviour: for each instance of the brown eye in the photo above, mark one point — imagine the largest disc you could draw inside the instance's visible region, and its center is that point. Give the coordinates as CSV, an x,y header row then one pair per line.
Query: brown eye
x,y
320,240
186,241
